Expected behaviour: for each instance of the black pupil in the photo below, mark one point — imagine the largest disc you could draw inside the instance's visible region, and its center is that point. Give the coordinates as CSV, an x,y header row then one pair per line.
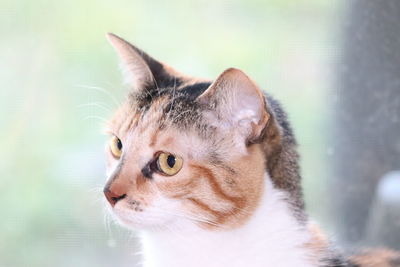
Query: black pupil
x,y
171,161
119,144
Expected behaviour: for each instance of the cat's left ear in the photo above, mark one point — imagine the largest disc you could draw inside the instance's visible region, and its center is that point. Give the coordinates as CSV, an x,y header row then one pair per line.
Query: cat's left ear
x,y
237,103
140,70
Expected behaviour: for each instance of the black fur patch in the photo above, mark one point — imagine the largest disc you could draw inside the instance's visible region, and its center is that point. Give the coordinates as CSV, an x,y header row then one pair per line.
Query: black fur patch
x,y
162,79
338,261
281,117
193,91
283,163
188,94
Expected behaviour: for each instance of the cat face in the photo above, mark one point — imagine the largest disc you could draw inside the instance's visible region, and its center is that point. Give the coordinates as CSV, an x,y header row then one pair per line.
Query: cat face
x,y
184,152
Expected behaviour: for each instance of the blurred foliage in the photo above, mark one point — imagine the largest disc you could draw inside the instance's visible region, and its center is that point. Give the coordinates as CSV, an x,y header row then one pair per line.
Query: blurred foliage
x,y
60,81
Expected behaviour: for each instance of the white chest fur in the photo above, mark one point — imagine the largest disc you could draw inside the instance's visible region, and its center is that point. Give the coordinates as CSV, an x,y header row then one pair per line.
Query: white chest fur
x,y
272,237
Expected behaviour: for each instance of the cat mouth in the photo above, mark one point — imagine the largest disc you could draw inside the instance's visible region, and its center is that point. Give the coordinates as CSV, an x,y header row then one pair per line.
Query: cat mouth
x,y
140,219
124,216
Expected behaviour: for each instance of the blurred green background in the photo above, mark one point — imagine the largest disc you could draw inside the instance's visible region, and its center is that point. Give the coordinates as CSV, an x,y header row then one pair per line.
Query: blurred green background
x,y
60,81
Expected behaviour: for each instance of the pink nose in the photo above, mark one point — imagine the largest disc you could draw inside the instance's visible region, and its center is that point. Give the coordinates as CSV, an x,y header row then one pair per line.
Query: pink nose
x,y
112,197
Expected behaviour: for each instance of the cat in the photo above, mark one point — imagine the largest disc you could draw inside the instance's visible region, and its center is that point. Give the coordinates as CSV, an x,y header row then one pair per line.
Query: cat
x,y
208,171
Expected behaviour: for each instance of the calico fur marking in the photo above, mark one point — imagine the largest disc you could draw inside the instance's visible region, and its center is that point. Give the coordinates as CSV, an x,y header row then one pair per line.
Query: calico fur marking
x,y
237,200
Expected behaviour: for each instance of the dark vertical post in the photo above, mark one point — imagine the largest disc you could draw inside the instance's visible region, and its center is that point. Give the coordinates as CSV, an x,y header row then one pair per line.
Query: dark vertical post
x,y
367,111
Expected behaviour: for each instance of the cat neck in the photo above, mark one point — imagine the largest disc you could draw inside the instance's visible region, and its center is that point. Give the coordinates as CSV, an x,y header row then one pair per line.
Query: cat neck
x,y
271,237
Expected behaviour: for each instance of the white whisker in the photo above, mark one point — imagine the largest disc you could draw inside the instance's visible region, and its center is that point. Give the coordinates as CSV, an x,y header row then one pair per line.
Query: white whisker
x,y
116,102
101,119
173,95
96,104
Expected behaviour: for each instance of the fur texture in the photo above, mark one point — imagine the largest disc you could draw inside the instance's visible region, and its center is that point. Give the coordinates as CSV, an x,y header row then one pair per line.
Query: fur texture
x,y
237,200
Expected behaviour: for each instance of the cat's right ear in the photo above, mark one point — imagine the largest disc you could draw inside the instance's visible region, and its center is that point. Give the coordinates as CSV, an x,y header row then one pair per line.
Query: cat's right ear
x,y
139,69
237,103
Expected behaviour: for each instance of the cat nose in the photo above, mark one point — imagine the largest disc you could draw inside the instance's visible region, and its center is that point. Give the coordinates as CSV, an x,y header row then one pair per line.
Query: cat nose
x,y
112,197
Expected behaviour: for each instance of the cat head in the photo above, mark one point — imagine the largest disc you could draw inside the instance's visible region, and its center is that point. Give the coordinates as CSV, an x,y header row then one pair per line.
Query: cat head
x,y
185,152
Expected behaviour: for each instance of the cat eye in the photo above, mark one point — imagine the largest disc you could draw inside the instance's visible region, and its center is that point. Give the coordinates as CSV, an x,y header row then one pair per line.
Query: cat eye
x,y
168,164
116,147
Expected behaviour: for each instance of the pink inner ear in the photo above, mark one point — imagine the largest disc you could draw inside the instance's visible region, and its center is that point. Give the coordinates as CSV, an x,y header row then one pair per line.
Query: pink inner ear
x,y
238,101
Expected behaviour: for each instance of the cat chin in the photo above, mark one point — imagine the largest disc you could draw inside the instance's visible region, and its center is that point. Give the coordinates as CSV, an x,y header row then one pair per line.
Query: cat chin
x,y
132,224
134,220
